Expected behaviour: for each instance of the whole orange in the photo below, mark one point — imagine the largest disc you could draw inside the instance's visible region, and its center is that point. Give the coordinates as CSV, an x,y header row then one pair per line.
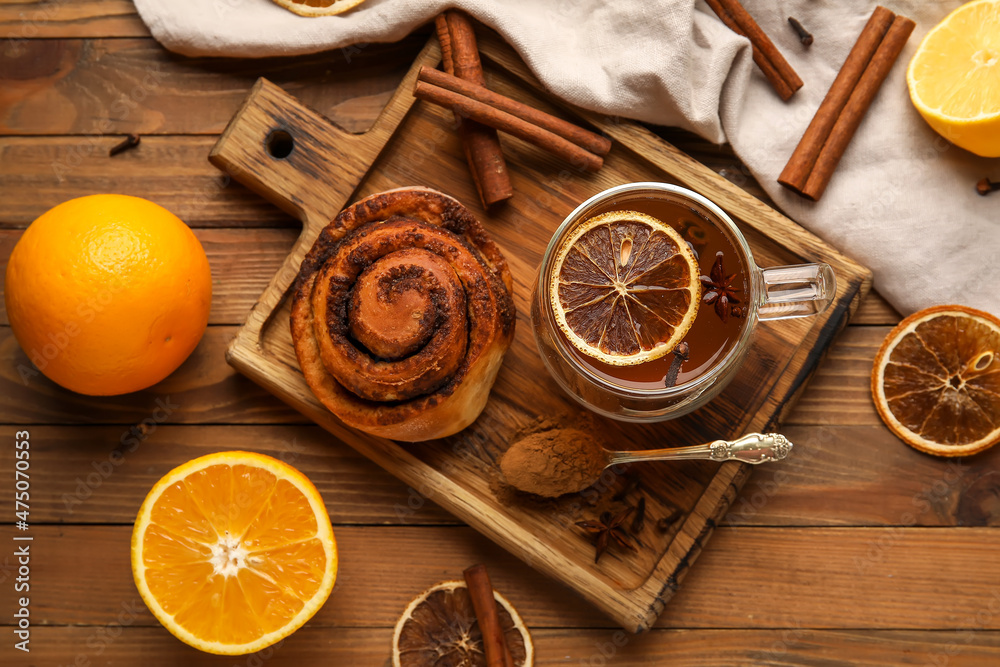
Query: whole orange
x,y
108,294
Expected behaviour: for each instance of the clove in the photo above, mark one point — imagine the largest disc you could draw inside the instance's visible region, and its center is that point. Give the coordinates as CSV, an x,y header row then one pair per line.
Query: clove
x,y
130,141
804,35
986,186
664,523
639,520
633,484
681,354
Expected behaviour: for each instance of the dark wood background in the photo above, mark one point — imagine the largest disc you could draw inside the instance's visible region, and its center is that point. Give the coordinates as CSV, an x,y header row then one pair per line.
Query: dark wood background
x,y
857,550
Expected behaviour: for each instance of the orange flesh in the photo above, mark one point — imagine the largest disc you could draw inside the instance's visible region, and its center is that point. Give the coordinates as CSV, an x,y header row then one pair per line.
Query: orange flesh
x,y
232,553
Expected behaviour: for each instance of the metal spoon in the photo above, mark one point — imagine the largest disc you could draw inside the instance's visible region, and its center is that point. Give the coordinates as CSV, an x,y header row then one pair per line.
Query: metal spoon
x,y
752,448
532,465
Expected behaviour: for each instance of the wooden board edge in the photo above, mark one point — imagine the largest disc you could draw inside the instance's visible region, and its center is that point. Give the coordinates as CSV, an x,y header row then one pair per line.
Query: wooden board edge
x,y
261,88
214,152
687,545
844,310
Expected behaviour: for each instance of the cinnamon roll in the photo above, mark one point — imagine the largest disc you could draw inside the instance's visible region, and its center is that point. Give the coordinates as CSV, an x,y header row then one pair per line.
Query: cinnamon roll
x,y
401,315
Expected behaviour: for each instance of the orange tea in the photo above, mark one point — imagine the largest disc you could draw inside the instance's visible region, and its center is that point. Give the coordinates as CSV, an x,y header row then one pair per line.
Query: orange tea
x,y
721,312
647,300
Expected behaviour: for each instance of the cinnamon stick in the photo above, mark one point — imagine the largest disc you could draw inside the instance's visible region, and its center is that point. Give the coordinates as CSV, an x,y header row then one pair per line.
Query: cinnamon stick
x,y
509,123
856,106
444,40
460,57
586,139
800,165
782,87
783,78
494,643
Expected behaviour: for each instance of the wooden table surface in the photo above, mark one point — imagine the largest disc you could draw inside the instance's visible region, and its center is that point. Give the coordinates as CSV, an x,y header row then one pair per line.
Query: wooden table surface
x,y
858,550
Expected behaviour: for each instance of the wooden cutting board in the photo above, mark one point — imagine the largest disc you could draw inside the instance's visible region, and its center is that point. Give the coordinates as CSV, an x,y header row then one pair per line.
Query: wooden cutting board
x,y
303,164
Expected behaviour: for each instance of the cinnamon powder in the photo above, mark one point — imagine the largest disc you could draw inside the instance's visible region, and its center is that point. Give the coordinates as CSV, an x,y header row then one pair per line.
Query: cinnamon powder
x,y
553,462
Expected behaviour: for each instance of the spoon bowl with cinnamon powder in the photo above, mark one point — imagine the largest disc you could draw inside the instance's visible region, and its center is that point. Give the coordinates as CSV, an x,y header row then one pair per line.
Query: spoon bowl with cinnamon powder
x,y
554,462
558,461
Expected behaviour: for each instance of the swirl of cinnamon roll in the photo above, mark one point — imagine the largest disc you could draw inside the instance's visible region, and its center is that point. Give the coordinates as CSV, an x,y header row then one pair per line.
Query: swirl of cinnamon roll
x,y
401,315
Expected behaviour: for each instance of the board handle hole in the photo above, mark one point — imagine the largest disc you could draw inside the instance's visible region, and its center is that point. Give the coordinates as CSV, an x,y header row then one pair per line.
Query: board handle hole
x,y
279,144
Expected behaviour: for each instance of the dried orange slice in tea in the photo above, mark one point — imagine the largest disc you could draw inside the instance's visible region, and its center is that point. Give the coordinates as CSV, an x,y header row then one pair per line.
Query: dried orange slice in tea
x,y
318,7
439,628
233,551
936,380
625,288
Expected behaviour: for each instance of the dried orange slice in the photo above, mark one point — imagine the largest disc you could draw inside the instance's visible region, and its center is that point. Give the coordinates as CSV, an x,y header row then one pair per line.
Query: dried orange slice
x,y
936,380
318,7
625,288
233,552
439,628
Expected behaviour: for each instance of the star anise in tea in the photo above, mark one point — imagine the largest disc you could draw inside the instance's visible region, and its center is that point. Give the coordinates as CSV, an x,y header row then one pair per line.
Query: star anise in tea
x,y
609,529
720,292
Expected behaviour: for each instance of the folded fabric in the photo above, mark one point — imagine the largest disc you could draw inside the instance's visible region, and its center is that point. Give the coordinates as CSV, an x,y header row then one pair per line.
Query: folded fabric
x,y
902,201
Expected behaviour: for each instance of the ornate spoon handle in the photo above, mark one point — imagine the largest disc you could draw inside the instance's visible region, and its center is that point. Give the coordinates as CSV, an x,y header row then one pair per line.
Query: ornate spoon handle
x,y
751,448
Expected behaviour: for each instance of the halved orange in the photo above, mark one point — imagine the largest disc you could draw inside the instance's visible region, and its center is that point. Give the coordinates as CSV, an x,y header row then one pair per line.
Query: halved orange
x,y
936,380
233,552
625,288
318,7
954,77
439,628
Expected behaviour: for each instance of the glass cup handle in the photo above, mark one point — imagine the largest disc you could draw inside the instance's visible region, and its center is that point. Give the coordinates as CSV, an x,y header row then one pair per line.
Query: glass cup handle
x,y
795,291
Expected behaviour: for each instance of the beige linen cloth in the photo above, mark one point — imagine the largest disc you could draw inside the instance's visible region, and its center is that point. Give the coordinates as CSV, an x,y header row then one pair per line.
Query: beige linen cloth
x,y
901,202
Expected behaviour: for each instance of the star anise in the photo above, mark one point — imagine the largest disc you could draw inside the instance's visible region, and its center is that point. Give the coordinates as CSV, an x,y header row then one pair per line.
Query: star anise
x,y
719,290
609,529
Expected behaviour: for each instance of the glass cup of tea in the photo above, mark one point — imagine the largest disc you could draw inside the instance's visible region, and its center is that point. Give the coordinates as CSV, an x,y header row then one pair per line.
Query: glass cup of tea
x,y
602,290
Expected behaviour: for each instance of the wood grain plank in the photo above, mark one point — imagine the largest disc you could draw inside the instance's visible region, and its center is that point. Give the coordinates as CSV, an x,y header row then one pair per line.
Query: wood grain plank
x,y
823,578
875,310
242,261
864,475
840,391
23,19
803,647
36,173
114,86
203,390
100,474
